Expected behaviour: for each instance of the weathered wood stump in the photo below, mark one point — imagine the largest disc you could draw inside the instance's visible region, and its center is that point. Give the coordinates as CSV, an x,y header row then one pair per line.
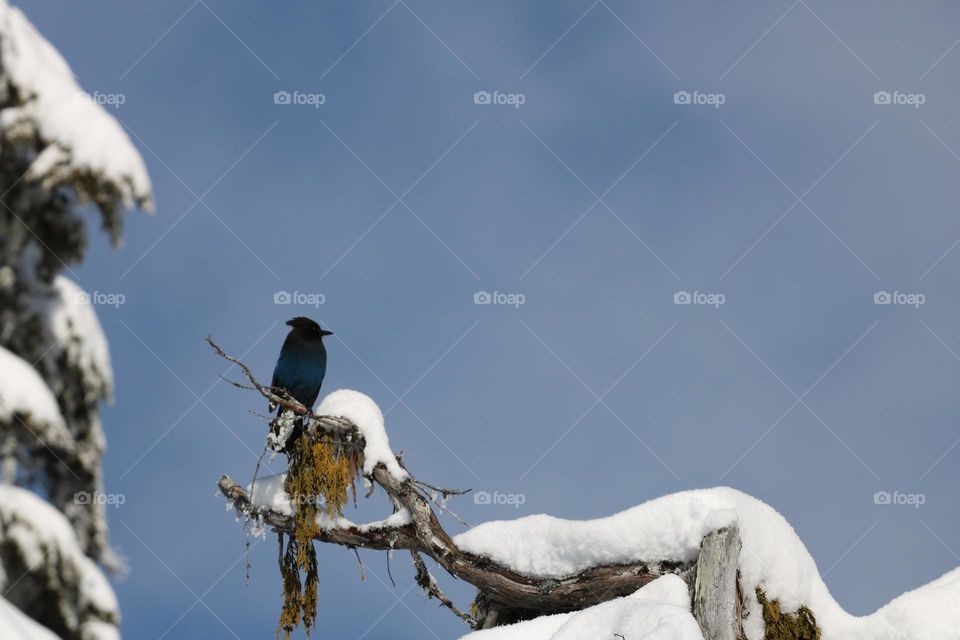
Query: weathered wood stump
x,y
716,593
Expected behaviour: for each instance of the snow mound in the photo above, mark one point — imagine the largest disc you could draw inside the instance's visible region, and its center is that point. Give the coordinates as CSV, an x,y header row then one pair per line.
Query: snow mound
x,y
23,392
78,134
14,625
658,611
671,528
362,411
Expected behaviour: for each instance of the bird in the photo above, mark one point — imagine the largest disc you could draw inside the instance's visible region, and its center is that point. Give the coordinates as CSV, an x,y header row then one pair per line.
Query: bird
x,y
302,364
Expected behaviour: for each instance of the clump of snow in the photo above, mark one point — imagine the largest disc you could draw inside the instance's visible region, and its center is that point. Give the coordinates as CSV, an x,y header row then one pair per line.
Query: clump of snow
x,y
44,536
541,628
284,425
931,612
362,411
658,611
14,625
671,528
268,492
99,630
23,391
80,135
72,322
397,519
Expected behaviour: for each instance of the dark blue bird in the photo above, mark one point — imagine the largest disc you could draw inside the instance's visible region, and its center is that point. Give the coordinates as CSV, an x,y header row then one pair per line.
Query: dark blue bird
x,y
302,362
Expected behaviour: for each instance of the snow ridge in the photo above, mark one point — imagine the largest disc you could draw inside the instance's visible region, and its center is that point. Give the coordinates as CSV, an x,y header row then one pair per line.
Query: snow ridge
x,y
671,528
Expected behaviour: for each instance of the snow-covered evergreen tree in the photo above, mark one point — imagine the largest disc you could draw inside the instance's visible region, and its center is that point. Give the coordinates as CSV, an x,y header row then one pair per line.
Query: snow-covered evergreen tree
x,y
59,153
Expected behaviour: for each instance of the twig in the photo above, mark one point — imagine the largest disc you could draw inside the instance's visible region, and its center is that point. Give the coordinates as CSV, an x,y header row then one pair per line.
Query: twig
x,y
281,399
429,585
390,573
236,384
256,470
446,492
363,574
442,506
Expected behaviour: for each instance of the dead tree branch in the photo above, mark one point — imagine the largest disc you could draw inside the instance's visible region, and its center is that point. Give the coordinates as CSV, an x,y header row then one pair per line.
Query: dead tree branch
x,y
432,589
505,595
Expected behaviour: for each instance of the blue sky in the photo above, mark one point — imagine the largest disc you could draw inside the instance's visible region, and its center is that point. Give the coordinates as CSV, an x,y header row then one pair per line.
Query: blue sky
x,y
598,199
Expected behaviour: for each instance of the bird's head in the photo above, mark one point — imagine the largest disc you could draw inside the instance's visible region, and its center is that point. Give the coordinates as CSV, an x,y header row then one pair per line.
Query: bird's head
x,y
308,327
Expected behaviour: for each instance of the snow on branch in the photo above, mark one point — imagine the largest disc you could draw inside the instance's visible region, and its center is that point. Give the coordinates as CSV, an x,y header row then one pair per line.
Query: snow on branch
x,y
505,594
72,139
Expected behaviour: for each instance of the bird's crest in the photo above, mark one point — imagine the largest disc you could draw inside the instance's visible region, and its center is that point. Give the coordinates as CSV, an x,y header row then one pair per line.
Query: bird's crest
x,y
308,325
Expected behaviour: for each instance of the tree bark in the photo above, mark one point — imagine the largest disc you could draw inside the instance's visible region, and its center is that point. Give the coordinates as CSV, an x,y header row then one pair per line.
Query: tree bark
x,y
716,594
512,595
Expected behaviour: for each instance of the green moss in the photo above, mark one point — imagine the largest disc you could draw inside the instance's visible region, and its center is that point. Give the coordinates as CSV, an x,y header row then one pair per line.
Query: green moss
x,y
319,472
801,625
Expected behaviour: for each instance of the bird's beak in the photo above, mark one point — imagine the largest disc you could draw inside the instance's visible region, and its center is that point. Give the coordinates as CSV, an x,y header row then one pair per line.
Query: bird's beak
x,y
324,332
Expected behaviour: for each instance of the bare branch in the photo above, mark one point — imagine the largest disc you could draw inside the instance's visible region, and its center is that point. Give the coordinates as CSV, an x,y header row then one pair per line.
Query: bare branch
x,y
363,574
281,399
430,586
515,595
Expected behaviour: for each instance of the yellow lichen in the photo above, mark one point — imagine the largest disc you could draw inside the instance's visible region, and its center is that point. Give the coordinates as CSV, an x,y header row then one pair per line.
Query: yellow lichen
x,y
318,477
801,625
